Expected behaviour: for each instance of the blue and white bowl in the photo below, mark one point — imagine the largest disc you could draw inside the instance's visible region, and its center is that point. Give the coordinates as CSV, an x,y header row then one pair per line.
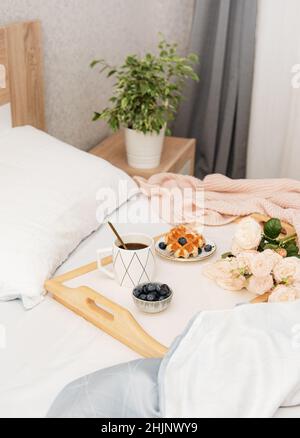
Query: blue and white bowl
x,y
152,306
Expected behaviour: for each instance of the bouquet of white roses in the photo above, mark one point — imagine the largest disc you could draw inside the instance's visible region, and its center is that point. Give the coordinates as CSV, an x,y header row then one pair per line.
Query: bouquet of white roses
x,y
260,261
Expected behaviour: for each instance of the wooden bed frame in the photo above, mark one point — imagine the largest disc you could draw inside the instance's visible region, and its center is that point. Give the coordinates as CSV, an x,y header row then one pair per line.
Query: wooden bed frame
x,y
21,56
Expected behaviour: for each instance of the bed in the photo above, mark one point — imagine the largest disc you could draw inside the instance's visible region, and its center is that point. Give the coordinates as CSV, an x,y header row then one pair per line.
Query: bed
x,y
56,346
49,346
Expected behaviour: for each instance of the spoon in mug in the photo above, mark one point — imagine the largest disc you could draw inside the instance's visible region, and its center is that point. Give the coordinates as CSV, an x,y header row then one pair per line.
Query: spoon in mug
x,y
117,235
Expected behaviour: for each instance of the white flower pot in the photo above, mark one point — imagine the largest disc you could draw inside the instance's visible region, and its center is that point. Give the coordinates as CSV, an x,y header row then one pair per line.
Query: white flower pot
x,y
144,150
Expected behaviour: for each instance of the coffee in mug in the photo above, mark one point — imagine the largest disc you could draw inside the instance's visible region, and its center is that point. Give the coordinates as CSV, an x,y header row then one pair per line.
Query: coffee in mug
x,y
133,265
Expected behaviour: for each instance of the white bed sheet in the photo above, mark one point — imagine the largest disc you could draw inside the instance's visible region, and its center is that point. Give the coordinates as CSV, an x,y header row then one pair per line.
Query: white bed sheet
x,y
49,346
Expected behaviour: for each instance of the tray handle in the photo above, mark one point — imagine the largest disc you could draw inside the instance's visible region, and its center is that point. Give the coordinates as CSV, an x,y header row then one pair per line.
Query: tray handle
x,y
107,315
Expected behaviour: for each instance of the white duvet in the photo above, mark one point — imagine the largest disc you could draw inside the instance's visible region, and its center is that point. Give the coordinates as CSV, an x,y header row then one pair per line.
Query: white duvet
x,y
236,363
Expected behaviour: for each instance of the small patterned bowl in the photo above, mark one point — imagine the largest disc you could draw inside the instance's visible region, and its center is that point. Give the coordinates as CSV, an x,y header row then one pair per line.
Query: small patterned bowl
x,y
152,306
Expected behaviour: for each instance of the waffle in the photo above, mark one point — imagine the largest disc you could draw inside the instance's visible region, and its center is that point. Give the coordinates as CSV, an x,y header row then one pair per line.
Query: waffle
x,y
179,249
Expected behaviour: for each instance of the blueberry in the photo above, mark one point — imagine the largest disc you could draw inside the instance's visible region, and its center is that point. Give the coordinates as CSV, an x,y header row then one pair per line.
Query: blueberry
x,y
207,248
157,287
199,251
143,297
145,288
151,297
137,292
151,287
161,298
164,290
182,241
162,246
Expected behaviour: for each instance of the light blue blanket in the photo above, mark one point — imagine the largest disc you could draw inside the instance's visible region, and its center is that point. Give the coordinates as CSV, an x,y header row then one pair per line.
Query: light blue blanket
x,y
130,390
124,391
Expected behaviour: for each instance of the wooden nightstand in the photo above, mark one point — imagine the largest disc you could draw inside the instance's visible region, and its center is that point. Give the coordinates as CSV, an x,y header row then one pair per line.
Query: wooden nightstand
x,y
178,155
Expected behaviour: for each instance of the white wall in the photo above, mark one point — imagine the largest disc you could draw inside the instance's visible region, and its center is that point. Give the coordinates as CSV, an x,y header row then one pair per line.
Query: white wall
x,y
77,31
274,141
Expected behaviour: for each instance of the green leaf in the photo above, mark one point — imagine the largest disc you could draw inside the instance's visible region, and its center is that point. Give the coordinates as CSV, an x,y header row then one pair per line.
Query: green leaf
x,y
227,255
289,242
193,57
292,249
96,116
271,246
144,87
262,244
267,243
131,60
272,228
95,62
124,102
269,240
111,72
195,77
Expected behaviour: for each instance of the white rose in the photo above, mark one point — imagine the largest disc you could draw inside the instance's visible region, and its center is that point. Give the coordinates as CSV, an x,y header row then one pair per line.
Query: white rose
x,y
235,249
232,282
260,285
261,265
287,270
226,274
273,256
248,234
243,261
283,293
220,268
229,276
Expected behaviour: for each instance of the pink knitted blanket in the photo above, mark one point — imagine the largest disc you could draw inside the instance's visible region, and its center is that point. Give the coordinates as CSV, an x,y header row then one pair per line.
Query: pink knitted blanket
x,y
223,199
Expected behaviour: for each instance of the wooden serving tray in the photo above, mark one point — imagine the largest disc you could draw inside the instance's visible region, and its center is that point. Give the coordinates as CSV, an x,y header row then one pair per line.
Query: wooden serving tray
x,y
104,313
109,316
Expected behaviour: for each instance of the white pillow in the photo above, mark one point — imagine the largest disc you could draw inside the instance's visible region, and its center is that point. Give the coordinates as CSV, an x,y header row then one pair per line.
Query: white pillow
x,y
47,207
5,118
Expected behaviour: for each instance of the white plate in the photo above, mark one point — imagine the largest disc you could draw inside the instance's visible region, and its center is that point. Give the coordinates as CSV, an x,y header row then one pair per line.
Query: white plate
x,y
203,256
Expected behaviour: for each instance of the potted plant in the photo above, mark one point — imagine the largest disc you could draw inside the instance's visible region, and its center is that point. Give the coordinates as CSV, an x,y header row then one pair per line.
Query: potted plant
x,y
147,93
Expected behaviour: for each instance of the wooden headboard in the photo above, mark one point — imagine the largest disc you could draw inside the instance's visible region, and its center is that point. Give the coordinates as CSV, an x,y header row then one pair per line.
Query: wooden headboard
x,y
21,63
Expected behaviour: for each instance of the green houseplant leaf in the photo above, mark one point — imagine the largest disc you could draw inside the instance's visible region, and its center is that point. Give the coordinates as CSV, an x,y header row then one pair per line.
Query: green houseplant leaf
x,y
147,90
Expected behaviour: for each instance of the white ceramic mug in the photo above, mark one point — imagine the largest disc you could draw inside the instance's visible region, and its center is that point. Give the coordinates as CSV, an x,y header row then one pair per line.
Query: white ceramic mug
x,y
130,267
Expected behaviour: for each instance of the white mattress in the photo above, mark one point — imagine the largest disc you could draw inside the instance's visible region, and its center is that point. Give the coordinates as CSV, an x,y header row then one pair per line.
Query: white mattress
x,y
50,346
